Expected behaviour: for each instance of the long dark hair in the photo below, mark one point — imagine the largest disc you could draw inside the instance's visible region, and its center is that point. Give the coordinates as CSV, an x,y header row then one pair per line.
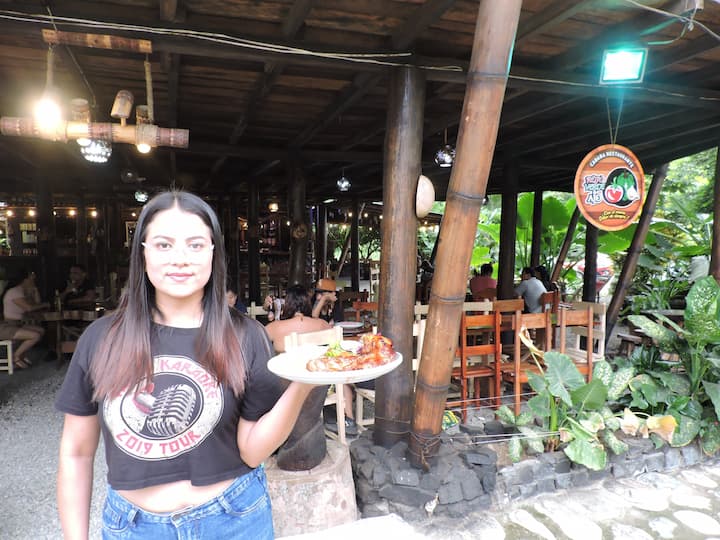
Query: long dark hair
x,y
297,300
124,357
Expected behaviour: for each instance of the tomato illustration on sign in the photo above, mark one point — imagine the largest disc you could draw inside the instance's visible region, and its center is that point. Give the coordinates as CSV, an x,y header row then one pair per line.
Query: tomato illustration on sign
x,y
621,188
613,194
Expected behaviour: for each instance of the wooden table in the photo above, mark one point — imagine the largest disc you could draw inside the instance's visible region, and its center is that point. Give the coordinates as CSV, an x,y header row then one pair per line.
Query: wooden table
x,y
56,318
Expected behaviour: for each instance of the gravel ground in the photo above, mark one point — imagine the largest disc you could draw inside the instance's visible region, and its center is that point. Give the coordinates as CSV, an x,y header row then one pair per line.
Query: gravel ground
x,y
28,455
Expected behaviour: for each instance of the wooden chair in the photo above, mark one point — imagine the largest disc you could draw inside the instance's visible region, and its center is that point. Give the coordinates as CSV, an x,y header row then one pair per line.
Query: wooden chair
x,y
474,358
489,293
6,361
550,301
347,298
255,310
599,330
522,361
364,307
336,396
578,320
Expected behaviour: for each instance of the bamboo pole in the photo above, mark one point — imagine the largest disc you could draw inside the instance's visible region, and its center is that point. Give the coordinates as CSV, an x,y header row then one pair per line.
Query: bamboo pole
x,y
402,167
715,247
355,246
107,131
633,254
567,241
487,78
97,41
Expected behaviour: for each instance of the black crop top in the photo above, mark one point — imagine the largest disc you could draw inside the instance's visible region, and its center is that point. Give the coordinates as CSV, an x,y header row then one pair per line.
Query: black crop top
x,y
184,425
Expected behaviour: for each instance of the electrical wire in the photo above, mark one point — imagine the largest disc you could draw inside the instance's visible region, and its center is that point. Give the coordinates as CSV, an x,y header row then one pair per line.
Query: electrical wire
x,y
224,39
688,20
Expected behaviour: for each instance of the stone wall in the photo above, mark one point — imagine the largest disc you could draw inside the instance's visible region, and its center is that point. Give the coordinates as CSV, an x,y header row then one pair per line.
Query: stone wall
x,y
465,476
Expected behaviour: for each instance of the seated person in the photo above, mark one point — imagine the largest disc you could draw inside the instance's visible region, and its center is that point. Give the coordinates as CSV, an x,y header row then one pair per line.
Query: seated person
x,y
483,281
20,298
531,289
234,301
80,291
326,306
543,275
296,316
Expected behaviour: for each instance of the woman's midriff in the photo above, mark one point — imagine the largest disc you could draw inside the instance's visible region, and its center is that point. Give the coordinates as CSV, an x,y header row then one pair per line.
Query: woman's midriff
x,y
174,496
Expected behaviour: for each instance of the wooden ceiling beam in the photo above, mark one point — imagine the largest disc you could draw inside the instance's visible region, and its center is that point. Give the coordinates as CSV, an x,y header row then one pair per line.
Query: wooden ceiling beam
x,y
429,12
551,16
172,10
271,72
260,153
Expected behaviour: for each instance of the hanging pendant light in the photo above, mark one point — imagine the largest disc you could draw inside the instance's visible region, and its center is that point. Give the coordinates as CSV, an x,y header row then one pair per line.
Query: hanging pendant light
x,y
97,151
445,155
343,182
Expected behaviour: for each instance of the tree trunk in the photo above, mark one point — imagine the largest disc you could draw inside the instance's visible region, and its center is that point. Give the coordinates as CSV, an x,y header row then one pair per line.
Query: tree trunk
x,y
403,155
633,254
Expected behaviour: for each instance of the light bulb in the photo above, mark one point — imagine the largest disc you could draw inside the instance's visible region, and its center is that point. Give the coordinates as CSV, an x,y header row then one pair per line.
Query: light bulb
x,y
48,115
143,148
83,141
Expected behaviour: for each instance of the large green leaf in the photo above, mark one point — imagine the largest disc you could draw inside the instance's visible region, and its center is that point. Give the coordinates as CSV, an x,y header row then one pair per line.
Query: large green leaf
x,y
524,418
686,431
562,375
702,309
590,396
677,383
514,449
713,392
613,443
620,380
533,439
588,453
539,406
664,337
505,415
710,440
593,422
612,422
555,214
536,382
603,370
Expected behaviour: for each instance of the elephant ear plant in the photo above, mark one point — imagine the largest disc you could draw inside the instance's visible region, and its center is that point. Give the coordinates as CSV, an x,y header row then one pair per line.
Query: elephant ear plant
x,y
689,388
569,414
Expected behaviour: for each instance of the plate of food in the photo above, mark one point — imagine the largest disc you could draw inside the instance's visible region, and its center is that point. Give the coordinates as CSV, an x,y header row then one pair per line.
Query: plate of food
x,y
349,325
336,364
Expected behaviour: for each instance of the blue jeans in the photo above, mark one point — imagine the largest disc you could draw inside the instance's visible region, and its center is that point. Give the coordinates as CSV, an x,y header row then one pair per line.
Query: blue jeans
x,y
242,511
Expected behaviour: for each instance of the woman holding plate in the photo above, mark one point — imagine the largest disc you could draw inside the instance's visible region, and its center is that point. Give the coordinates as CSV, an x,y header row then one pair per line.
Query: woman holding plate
x,y
179,387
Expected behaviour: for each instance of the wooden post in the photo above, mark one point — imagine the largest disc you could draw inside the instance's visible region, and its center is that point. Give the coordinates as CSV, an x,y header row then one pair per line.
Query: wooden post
x,y
567,241
403,155
633,254
508,230
233,249
536,245
321,242
48,280
253,252
715,248
487,77
590,273
299,226
81,231
355,246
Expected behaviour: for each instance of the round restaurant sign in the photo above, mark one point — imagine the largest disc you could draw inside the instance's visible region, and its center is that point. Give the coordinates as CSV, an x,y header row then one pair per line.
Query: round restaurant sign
x,y
610,187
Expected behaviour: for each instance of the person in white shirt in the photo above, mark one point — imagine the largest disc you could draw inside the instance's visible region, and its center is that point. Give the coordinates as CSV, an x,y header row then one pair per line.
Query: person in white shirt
x,y
19,299
531,289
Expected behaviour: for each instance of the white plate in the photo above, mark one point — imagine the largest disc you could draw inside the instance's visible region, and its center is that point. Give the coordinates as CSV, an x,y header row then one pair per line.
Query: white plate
x,y
292,366
348,325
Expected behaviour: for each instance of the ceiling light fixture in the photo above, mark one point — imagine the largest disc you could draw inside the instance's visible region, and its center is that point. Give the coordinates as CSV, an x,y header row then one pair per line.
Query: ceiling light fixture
x,y
445,156
47,113
623,66
273,207
97,151
141,196
343,182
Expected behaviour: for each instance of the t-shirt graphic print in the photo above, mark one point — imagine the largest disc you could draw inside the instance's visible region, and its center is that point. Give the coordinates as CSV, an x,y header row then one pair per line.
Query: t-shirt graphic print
x,y
169,416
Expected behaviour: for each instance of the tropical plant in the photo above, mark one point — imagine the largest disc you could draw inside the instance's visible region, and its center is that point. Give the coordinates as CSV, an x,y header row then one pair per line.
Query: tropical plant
x,y
691,394
572,414
655,294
